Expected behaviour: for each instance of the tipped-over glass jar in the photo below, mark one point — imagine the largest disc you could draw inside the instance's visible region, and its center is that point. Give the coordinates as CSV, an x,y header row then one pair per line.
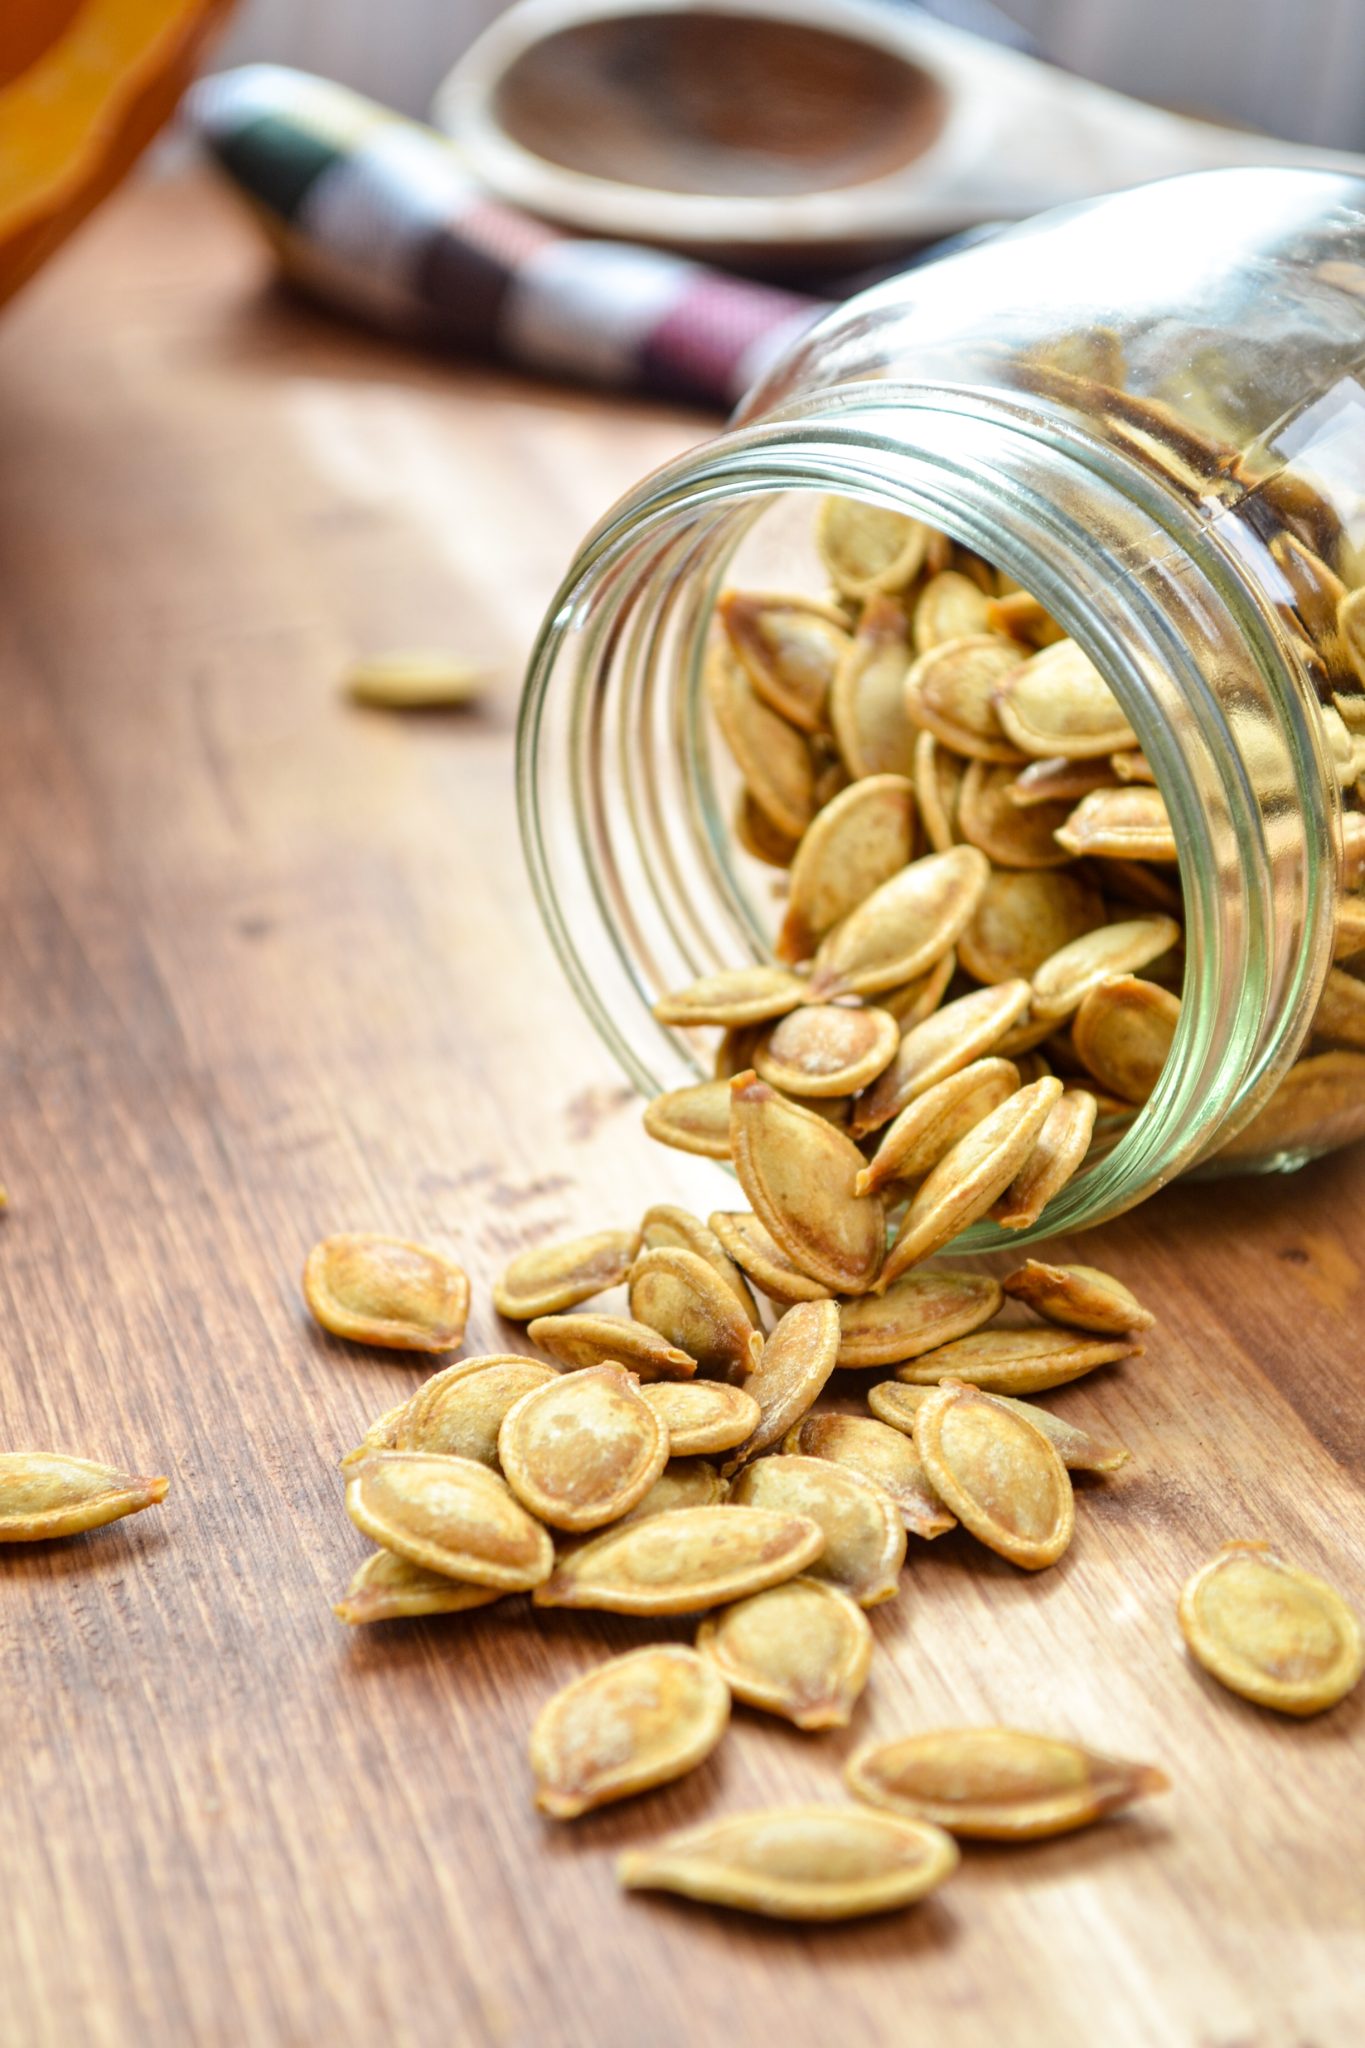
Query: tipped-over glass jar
x,y
1148,414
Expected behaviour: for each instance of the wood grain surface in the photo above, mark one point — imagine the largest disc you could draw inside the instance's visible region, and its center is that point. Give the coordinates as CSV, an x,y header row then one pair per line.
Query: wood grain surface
x,y
268,968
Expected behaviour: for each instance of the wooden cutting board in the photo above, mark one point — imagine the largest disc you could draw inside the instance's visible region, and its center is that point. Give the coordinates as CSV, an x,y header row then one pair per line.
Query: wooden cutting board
x,y
269,968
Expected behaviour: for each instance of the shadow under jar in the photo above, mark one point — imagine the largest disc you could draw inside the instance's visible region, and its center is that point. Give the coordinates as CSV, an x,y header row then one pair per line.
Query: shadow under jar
x,y
1147,412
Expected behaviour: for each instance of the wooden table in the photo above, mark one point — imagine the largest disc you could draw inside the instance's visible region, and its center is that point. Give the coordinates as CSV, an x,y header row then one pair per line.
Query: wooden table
x,y
269,968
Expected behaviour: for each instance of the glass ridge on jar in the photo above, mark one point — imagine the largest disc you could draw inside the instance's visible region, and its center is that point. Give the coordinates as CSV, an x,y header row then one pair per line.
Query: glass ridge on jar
x,y
1148,411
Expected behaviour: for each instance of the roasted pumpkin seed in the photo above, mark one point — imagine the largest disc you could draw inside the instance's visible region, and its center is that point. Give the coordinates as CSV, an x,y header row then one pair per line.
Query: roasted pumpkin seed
x,y
1011,835
683,1562
937,775
736,996
1023,618
956,1036
789,648
682,1297
416,680
1007,1361
799,1175
917,1314
1125,824
702,1415
998,1784
449,1515
950,692
583,1450
797,1361
1270,1631
665,1225
950,607
46,1493
915,1000
1339,1019
387,1291
867,700
460,1411
802,1650
867,549
969,1178
762,1258
1000,1476
1063,982
1061,1147
902,928
864,1534
932,1123
1124,1031
858,841
585,1340
893,1402
759,836
389,1588
683,1483
1058,780
1079,1298
771,755
797,1863
1057,702
694,1119
827,1049
1132,765
552,1277
637,1721
1320,1103
1023,918
883,1456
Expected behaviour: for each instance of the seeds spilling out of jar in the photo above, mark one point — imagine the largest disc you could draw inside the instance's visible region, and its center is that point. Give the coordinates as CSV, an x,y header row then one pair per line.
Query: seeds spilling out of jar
x,y
639,1721
802,1650
997,1783
46,1493
386,1291
1272,1632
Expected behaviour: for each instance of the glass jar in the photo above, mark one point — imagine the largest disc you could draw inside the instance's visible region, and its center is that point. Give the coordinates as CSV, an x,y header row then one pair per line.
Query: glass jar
x,y
1147,411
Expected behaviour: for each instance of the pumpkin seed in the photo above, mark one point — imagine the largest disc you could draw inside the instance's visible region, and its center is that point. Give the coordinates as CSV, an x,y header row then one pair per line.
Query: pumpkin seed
x,y
1057,780
937,775
1023,618
1132,765
868,549
1010,834
449,1515
1057,702
1124,1031
1270,1631
735,1051
902,928
1320,1103
1063,982
684,1483
1061,1147
881,1455
693,1119
702,1415
917,1314
414,681
970,1177
1340,1016
950,607
388,1588
799,1173
1079,1298
1005,1361
827,1049
580,1341
915,1000
997,1783
950,692
797,1863
867,701
738,995
382,1435
955,1037
789,647
771,755
1350,928
386,1291
759,836
460,1411
858,841
678,1294
801,1650
797,1361
1000,1476
932,1123
551,1277
1132,881
864,1535
664,1226
1351,626
894,1403
1128,824
1023,918
767,1265
635,1722
683,1562
47,1493
583,1450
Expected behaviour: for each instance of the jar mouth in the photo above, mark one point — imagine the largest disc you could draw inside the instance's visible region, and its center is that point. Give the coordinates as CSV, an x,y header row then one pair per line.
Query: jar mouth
x,y
1148,586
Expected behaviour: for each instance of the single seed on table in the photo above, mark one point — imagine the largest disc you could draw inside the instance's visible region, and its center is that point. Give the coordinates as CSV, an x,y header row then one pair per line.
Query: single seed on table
x,y
868,550
902,928
1011,835
1124,1031
799,1173
797,1361
864,1534
789,647
1060,781
867,700
858,841
771,755
1130,764
1023,618
736,996
1023,918
549,1277
1006,1361
582,1451
932,1123
998,1784
460,1411
635,1722
387,1291
683,1562
956,1036
702,1415
1273,1633
915,1000
1001,1477
666,1226
894,1403
47,1493
950,607
827,1049
969,1178
1063,982
1061,1147
759,836
1126,824
693,1119
1057,702
583,1340
1339,1019
797,1863
937,776
418,680
767,1265
801,1650
449,1515
881,1455
950,691
388,1588
917,1314
684,1483
1079,1298
678,1294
